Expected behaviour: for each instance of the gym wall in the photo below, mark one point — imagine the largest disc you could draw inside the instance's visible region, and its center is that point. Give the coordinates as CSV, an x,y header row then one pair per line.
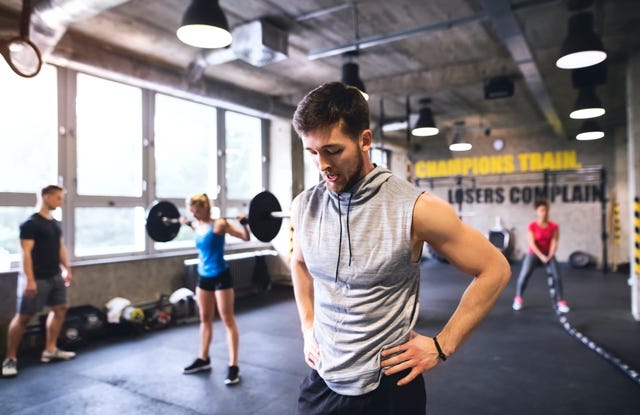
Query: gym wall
x,y
575,197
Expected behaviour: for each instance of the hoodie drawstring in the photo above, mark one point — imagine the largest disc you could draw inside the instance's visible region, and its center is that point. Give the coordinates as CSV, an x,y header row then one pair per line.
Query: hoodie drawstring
x,y
340,240
348,233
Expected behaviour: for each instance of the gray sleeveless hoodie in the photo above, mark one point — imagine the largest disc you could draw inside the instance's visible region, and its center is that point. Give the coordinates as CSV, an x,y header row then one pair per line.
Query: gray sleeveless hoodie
x,y
357,247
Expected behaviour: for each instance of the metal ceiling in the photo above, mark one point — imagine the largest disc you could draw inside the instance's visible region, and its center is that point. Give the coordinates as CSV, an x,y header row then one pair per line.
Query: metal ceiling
x,y
408,50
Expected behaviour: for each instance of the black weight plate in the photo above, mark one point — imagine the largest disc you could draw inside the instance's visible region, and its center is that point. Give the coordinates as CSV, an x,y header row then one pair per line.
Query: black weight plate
x,y
157,228
264,226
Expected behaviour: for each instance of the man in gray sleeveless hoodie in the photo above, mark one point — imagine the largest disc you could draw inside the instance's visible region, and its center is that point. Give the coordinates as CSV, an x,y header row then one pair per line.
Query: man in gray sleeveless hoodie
x,y
357,245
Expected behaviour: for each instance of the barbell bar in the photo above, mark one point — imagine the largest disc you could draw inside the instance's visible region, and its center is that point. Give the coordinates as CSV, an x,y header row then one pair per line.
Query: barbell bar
x,y
265,218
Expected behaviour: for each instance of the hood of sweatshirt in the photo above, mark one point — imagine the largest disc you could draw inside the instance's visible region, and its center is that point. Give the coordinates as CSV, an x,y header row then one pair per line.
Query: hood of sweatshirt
x,y
360,193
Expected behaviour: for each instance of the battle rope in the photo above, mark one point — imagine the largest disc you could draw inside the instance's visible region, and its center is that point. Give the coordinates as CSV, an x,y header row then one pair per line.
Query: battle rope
x,y
608,356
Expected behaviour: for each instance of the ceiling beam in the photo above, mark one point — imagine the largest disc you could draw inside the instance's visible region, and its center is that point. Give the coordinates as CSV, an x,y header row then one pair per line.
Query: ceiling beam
x,y
508,30
438,79
380,39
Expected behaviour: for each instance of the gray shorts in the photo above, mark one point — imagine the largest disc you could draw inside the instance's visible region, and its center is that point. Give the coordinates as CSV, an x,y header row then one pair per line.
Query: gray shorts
x,y
51,292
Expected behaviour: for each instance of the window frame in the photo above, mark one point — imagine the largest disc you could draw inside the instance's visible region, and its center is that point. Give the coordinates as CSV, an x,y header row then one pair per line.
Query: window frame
x,y
67,169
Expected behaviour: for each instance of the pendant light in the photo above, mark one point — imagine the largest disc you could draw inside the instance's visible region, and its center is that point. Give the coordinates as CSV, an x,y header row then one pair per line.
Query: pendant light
x,y
351,73
425,126
459,142
590,130
350,68
582,47
204,25
587,105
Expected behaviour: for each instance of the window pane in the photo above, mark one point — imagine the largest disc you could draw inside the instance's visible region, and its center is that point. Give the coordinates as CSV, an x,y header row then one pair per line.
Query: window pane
x,y
29,156
380,157
185,148
243,155
10,219
109,138
232,212
109,230
311,173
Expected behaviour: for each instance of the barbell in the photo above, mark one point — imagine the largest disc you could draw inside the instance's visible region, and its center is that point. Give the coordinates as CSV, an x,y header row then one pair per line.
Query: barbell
x,y
265,218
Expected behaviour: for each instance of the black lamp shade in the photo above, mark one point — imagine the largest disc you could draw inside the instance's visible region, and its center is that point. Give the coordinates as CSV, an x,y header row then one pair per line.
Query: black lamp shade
x,y
582,47
459,143
590,76
351,76
590,130
204,25
425,126
587,105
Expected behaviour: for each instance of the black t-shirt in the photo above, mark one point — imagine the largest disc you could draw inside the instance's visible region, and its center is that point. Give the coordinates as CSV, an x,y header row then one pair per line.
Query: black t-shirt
x,y
46,249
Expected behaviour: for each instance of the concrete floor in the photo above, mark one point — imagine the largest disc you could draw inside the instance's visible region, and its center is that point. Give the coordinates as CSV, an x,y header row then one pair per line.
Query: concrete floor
x,y
515,363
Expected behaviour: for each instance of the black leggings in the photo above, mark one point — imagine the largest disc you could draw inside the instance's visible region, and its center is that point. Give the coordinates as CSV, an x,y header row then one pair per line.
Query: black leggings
x,y
529,264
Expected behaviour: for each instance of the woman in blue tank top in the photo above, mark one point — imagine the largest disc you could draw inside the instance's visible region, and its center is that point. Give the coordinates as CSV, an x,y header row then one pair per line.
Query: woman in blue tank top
x,y
215,283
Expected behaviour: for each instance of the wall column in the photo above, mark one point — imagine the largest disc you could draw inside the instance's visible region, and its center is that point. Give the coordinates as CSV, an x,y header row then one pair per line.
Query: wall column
x,y
633,168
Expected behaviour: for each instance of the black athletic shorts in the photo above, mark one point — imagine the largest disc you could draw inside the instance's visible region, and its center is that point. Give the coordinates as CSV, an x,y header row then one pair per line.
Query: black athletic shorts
x,y
221,281
388,399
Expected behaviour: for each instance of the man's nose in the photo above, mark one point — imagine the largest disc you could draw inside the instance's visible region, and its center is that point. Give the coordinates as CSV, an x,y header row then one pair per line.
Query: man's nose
x,y
323,162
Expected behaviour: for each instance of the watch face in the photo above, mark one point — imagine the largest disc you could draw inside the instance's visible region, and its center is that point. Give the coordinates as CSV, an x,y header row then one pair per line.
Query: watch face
x,y
498,144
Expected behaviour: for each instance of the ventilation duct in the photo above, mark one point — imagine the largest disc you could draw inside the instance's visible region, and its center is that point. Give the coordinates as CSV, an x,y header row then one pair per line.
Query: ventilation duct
x,y
258,42
50,19
498,87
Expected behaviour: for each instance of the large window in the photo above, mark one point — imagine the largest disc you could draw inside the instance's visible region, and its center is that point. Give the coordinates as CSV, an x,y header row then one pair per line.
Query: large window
x,y
185,148
28,131
185,153
244,155
108,217
109,138
29,155
117,149
109,230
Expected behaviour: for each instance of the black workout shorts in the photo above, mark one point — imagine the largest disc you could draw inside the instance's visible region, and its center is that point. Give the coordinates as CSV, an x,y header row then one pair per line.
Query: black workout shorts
x,y
222,281
388,399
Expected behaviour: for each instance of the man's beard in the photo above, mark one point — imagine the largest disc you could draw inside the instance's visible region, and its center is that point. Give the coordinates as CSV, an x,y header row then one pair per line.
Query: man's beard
x,y
355,175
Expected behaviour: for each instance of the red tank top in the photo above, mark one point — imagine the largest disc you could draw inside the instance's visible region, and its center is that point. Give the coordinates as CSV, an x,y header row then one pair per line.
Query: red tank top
x,y
542,235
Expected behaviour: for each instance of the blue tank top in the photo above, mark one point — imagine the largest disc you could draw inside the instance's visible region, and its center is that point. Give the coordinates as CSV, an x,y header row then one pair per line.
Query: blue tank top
x,y
210,253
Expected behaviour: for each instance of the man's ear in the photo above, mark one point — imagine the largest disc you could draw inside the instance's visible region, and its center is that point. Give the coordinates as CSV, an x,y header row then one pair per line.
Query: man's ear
x,y
365,140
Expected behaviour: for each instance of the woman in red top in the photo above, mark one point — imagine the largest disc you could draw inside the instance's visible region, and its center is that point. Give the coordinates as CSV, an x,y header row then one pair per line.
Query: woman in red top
x,y
543,242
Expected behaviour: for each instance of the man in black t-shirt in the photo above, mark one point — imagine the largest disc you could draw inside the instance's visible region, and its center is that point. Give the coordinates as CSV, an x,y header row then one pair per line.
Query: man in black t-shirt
x,y
44,279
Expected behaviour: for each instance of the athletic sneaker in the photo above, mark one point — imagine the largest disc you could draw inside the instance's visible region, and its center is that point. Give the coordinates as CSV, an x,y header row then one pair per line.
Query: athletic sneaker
x,y
517,303
198,365
56,354
233,376
9,367
563,307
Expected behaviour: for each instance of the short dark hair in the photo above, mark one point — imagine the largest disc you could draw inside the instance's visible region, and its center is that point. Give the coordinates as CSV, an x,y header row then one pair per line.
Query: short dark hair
x,y
52,188
330,104
541,202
